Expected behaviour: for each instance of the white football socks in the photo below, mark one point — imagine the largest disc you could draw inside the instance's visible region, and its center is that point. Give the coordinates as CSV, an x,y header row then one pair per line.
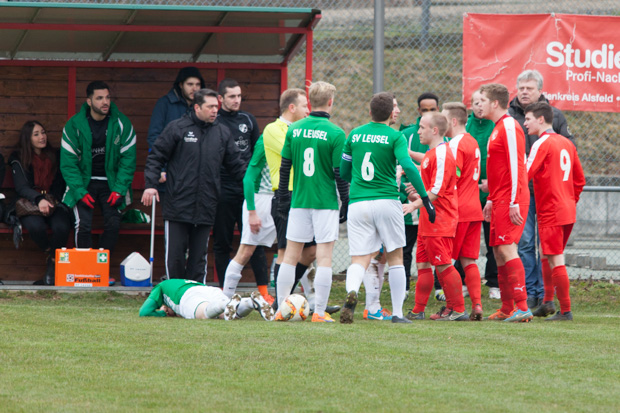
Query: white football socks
x,y
246,306
373,291
286,279
322,287
398,284
232,278
308,289
355,276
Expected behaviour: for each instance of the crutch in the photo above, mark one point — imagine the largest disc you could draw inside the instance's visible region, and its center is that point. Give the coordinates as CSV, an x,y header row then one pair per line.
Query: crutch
x,y
152,237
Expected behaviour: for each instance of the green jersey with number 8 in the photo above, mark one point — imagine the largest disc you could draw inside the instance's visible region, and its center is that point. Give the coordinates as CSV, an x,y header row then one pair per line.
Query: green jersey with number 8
x,y
314,145
374,149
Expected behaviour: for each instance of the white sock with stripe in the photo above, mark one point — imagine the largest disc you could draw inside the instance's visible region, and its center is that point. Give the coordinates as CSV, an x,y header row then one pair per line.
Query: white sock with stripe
x,y
232,278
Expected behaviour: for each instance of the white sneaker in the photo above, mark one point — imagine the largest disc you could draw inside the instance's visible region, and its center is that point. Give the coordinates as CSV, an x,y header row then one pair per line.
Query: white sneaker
x,y
262,306
465,291
494,293
231,308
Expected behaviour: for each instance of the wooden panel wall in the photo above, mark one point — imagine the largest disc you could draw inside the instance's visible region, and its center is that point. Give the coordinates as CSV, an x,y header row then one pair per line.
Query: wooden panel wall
x,y
41,93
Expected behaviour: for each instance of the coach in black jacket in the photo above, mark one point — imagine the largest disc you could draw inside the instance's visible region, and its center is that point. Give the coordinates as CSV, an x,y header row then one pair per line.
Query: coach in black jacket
x,y
195,147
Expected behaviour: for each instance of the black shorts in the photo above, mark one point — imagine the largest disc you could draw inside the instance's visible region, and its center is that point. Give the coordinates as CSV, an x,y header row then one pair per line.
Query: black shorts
x,y
281,225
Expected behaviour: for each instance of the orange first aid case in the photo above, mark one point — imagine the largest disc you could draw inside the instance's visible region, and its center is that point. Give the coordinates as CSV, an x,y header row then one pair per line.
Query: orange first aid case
x,y
82,267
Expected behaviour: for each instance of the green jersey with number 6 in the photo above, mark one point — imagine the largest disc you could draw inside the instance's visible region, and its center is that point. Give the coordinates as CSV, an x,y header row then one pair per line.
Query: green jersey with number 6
x,y
314,145
374,149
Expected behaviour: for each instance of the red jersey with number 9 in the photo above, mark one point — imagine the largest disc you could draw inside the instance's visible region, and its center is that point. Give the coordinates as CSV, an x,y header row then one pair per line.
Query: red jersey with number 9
x,y
466,152
558,179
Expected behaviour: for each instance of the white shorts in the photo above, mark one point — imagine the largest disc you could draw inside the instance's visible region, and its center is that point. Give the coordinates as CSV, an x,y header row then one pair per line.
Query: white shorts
x,y
267,234
195,296
305,224
371,223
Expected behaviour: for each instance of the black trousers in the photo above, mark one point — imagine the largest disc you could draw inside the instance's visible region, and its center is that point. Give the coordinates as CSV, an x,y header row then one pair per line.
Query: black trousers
x,y
227,215
60,224
411,236
182,237
100,192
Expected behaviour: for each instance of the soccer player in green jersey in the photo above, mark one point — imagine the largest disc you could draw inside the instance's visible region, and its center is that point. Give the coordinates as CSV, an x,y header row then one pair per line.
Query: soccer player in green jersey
x,y
376,215
313,147
193,300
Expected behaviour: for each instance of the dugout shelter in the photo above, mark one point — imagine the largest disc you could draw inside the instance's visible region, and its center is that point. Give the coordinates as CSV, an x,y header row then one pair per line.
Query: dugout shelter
x,y
49,52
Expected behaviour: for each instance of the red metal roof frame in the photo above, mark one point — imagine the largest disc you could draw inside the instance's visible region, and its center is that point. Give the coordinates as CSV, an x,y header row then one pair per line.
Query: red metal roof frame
x,y
72,65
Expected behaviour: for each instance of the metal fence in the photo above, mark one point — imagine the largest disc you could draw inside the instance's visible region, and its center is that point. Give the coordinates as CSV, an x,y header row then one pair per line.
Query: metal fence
x,y
423,52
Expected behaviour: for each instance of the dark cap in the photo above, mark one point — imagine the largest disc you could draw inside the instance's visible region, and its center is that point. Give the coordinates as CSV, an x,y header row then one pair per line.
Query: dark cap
x,y
186,73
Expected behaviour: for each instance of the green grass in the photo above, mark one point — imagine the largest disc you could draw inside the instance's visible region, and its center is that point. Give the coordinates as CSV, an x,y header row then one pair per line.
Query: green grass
x,y
91,352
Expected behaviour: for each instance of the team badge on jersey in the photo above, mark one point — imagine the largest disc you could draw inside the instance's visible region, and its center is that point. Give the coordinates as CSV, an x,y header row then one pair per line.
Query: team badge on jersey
x,y
242,143
494,135
243,127
425,164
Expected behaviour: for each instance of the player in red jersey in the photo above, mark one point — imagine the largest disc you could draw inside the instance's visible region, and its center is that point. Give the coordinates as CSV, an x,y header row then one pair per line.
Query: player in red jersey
x,y
438,170
508,201
466,246
554,166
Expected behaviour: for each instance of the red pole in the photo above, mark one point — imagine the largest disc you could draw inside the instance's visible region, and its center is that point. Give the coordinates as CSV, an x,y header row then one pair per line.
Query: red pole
x,y
283,78
309,45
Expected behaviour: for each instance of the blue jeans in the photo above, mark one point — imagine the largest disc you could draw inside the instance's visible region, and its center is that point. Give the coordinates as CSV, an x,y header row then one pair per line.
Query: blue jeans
x,y
528,246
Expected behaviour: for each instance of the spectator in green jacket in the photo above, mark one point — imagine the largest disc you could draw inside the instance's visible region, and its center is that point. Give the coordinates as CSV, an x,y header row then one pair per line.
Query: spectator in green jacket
x,y
98,161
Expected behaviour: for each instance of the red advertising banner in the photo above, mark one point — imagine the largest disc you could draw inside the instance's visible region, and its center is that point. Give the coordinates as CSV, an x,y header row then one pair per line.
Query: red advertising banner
x,y
578,56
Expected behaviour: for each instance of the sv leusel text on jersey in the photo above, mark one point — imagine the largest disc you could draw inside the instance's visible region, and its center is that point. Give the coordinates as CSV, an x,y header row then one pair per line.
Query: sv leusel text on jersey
x,y
310,134
370,138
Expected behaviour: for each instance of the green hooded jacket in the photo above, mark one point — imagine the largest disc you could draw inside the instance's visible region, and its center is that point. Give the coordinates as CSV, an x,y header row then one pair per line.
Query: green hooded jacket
x,y
76,158
481,129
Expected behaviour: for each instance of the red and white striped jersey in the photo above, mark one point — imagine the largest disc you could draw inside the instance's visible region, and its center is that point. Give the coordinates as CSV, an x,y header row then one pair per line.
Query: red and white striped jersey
x,y
558,179
438,171
467,156
506,169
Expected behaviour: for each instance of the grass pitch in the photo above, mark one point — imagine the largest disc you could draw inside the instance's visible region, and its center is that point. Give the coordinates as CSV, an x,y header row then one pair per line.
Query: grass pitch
x,y
91,352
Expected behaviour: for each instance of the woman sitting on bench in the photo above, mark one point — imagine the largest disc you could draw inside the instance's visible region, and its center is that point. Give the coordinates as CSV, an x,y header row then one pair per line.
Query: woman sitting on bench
x,y
40,186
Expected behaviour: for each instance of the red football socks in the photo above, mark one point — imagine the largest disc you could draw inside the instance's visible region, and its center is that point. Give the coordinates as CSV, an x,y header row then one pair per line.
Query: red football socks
x,y
516,280
547,280
472,280
453,288
505,290
423,288
262,289
562,286
440,275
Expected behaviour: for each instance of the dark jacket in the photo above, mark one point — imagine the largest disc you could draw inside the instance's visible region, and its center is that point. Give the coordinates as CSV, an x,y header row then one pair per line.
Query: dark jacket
x,y
244,133
559,122
194,151
23,179
168,108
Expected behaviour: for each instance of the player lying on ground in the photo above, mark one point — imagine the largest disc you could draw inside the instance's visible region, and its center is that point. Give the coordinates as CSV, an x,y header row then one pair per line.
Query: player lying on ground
x,y
558,181
193,300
